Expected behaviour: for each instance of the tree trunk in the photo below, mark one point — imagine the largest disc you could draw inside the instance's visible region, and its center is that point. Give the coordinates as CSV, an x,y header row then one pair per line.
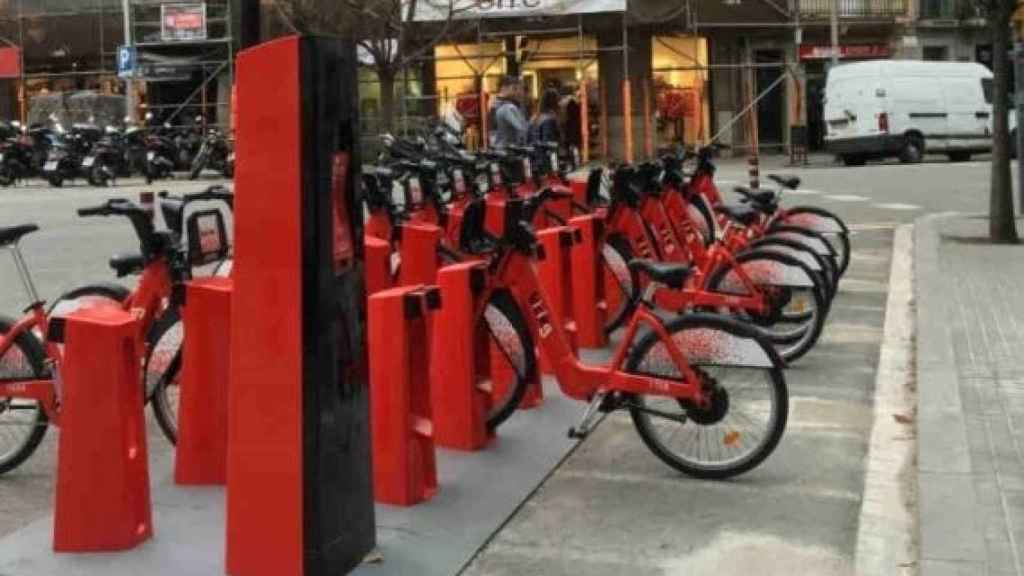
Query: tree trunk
x,y
1002,227
387,99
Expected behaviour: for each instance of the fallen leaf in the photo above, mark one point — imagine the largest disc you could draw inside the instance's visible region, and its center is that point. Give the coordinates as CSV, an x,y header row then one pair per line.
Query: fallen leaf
x,y
903,418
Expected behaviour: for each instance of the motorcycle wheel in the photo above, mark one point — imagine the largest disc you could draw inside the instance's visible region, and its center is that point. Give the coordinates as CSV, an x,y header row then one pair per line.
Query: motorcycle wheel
x,y
55,180
98,177
6,178
197,166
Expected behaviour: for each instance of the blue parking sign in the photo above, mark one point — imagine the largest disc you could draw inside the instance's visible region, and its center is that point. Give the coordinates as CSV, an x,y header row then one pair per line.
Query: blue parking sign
x,y
127,58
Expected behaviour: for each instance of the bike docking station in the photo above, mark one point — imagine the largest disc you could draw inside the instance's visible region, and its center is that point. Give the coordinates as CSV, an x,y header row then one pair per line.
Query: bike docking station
x,y
294,420
201,454
102,497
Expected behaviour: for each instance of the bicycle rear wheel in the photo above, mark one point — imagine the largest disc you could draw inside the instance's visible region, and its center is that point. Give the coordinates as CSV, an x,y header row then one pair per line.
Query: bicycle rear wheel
x,y
23,423
750,403
509,355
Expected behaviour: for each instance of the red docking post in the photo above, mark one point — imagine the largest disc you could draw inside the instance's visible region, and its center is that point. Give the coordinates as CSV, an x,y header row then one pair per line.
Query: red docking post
x,y
102,502
460,404
378,264
590,308
404,465
202,450
555,271
419,253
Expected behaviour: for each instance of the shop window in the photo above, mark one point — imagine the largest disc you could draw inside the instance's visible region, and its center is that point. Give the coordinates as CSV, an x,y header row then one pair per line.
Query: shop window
x,y
679,66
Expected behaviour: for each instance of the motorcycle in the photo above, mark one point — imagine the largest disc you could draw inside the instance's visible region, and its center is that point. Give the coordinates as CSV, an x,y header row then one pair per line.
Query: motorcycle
x,y
65,159
106,161
214,153
160,154
16,157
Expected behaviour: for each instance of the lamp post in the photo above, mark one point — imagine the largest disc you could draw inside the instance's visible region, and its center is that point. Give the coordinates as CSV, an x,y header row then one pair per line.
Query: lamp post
x,y
129,84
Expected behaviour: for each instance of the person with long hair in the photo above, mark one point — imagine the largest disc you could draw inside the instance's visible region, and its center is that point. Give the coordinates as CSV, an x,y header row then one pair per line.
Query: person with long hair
x,y
544,125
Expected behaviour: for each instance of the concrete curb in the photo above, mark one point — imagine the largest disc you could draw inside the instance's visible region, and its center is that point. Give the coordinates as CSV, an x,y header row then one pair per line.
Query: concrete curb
x,y
887,528
951,533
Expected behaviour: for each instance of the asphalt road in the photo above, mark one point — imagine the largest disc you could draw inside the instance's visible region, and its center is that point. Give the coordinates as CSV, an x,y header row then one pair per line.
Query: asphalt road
x,y
612,508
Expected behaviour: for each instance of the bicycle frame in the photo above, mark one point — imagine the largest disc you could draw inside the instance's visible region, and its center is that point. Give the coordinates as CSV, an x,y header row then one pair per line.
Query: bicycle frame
x,y
579,381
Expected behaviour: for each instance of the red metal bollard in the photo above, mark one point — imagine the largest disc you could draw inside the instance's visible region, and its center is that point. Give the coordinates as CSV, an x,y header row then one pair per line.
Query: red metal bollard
x,y
404,467
103,499
419,253
460,404
201,457
589,304
555,272
378,264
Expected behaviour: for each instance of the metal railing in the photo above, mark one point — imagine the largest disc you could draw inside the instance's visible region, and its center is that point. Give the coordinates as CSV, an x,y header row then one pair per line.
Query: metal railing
x,y
864,9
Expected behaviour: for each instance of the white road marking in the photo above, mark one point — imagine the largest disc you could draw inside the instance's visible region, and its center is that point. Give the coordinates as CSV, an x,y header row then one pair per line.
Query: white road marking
x,y
887,524
802,192
867,227
897,206
847,198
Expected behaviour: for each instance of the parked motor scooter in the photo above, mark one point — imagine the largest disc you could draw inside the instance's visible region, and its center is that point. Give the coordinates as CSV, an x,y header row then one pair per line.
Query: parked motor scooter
x,y
15,156
160,154
106,161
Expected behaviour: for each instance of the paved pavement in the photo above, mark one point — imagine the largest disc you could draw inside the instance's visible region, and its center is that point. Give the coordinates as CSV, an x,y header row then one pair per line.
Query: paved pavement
x,y
972,464
611,507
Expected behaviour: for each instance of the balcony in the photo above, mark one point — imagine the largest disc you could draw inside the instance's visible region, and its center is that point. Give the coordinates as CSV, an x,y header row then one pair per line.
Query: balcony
x,y
855,9
949,10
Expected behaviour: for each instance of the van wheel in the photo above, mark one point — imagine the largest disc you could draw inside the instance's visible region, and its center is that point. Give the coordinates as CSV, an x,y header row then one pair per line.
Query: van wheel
x,y
959,156
913,149
854,160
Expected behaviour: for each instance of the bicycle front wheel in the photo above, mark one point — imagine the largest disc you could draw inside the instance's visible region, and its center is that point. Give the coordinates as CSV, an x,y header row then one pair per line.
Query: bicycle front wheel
x,y
749,401
162,371
23,422
510,360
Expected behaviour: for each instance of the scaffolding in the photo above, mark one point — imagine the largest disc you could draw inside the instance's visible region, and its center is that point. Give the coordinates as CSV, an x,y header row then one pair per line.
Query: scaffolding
x,y
203,66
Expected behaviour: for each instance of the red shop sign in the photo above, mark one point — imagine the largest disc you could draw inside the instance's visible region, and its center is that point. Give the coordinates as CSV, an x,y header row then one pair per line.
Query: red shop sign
x,y
846,51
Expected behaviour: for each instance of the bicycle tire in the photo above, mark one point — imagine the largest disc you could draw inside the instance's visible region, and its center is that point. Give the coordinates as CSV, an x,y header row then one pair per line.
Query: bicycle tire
x,y
823,267
161,370
708,226
622,285
814,240
747,351
32,351
826,223
502,314
104,290
793,344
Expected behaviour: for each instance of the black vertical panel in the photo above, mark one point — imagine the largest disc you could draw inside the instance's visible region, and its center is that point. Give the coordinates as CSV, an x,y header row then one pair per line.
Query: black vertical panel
x,y
246,16
338,492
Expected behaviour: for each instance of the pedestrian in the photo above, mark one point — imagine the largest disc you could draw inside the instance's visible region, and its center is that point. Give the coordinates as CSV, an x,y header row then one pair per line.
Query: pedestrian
x,y
509,125
544,126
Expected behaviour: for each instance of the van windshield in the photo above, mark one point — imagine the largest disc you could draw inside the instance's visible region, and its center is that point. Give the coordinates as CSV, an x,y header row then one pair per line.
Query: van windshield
x,y
988,87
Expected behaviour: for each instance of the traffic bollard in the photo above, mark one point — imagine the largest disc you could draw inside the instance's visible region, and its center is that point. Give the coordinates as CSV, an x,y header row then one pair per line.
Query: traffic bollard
x,y
590,308
102,496
201,453
404,465
460,404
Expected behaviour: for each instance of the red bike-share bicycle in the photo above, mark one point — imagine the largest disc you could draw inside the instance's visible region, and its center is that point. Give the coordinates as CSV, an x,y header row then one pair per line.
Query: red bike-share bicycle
x,y
706,393
30,362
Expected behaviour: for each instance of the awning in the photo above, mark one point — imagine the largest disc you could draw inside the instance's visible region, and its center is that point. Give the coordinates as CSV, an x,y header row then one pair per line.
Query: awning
x,y
441,10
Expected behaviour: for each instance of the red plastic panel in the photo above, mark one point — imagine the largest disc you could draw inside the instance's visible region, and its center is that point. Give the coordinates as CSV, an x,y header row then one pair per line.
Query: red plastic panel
x,y
265,489
103,499
201,454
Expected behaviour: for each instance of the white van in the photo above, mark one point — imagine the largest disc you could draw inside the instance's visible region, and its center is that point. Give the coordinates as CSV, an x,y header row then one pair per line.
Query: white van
x,y
908,108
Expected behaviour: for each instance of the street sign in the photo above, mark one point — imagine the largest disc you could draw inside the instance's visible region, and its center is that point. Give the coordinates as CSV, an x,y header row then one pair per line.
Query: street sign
x,y
127,61
182,22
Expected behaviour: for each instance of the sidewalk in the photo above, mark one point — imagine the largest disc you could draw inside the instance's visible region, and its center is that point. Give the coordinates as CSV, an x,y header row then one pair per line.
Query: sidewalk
x,y
970,375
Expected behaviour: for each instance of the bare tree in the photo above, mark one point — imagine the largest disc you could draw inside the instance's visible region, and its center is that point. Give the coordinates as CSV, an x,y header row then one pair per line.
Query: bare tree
x,y
1001,214
377,26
